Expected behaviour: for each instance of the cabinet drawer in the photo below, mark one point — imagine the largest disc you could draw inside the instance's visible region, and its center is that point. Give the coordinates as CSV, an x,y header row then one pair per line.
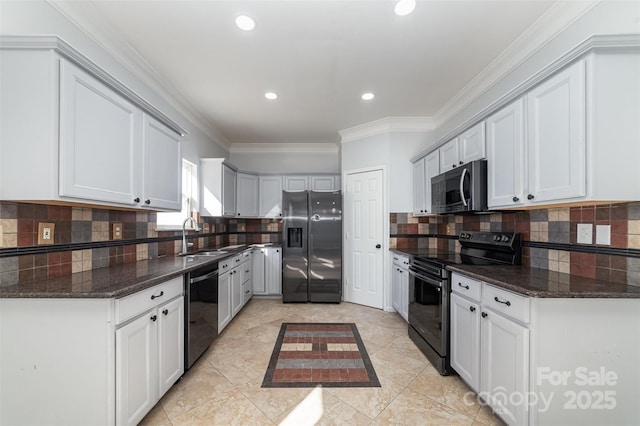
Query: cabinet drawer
x,y
137,303
400,260
247,272
511,304
245,256
229,263
466,286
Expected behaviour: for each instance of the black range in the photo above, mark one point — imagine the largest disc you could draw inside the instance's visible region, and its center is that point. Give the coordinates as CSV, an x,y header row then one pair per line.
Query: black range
x,y
429,287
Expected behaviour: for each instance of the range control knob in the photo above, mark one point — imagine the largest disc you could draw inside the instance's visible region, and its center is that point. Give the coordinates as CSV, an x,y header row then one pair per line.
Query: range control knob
x,y
505,238
497,238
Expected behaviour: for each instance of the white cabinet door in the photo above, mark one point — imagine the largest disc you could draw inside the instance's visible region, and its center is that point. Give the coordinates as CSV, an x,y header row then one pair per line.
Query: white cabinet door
x,y
465,340
404,294
419,181
273,270
224,300
247,195
229,183
431,169
505,365
237,297
170,344
270,196
556,126
322,183
449,155
99,134
161,166
471,144
395,288
136,369
505,156
296,183
258,276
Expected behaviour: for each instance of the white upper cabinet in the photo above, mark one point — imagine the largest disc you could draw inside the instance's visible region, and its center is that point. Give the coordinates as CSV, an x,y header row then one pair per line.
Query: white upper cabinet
x,y
99,139
324,183
89,139
218,185
247,195
548,162
471,144
270,196
423,170
162,177
419,182
468,146
296,183
505,153
556,126
449,155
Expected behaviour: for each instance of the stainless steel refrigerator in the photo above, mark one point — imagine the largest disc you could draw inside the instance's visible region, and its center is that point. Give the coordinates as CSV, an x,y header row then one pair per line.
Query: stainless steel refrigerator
x,y
312,246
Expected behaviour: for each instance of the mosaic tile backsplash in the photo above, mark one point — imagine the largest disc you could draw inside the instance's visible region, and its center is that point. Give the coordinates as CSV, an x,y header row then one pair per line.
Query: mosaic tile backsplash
x,y
556,226
91,226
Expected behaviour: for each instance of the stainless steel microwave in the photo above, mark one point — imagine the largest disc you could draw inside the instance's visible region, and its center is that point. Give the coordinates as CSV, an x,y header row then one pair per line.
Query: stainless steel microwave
x,y
461,190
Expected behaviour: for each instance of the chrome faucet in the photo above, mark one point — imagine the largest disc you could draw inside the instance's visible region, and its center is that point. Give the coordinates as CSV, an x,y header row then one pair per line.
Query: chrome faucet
x,y
186,245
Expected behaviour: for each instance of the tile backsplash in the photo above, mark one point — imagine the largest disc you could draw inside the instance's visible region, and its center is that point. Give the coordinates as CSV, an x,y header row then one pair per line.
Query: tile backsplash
x,y
554,229
83,238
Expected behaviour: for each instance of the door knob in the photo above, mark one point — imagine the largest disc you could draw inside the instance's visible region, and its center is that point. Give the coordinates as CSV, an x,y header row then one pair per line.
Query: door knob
x,y
378,246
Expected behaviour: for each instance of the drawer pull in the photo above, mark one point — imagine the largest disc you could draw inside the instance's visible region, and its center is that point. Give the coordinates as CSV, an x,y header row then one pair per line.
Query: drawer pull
x,y
154,317
472,308
153,296
165,312
246,292
506,302
463,286
484,315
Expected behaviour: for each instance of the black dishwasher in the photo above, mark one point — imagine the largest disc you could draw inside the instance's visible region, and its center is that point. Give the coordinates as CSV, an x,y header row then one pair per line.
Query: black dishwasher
x,y
201,312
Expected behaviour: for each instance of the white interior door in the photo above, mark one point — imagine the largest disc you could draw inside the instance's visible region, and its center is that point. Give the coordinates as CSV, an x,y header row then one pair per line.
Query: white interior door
x,y
363,201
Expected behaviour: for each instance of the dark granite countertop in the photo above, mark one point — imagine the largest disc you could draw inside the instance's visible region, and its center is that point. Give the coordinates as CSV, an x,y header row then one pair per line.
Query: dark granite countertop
x,y
537,282
114,281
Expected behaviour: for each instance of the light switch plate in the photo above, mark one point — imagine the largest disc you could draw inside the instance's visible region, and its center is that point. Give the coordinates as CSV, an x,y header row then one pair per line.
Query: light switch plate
x,y
603,235
585,233
45,232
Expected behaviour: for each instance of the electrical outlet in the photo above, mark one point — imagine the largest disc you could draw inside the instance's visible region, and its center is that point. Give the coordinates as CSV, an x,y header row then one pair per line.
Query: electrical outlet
x,y
603,235
117,231
585,233
46,232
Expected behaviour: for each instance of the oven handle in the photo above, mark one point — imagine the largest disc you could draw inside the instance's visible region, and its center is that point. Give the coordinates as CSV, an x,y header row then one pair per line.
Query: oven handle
x,y
204,277
428,280
464,172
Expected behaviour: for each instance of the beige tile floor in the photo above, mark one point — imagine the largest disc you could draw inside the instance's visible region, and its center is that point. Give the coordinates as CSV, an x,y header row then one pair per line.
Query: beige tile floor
x,y
223,387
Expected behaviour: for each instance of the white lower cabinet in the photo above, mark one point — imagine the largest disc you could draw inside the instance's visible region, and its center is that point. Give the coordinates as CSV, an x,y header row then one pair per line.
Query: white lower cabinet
x,y
504,356
257,260
149,352
224,300
273,270
400,285
465,340
542,361
233,286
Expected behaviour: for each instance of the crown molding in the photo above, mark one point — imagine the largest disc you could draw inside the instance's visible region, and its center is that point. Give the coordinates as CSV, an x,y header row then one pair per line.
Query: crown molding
x,y
101,33
551,23
284,148
386,125
596,43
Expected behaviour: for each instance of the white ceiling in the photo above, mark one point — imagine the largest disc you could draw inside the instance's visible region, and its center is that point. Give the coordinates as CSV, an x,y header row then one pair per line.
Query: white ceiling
x,y
319,56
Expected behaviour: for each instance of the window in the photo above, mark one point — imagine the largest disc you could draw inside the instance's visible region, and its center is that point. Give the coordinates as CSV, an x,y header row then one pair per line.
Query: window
x,y
172,221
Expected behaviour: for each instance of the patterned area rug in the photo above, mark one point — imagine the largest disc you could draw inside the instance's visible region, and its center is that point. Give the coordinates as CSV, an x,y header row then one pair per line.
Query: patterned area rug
x,y
327,354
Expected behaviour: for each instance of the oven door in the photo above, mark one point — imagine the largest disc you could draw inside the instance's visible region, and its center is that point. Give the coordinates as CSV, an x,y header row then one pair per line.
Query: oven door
x,y
428,301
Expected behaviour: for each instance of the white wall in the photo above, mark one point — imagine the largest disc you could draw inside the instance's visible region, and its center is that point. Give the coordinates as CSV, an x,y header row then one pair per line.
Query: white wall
x,y
287,162
37,17
393,150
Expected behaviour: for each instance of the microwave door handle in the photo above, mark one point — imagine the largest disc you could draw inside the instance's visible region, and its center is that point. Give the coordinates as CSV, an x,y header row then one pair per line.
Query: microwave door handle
x,y
464,172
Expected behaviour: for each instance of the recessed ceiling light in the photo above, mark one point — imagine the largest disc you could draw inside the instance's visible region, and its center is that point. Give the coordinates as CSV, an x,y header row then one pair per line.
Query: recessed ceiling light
x,y
271,96
368,96
245,23
404,7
